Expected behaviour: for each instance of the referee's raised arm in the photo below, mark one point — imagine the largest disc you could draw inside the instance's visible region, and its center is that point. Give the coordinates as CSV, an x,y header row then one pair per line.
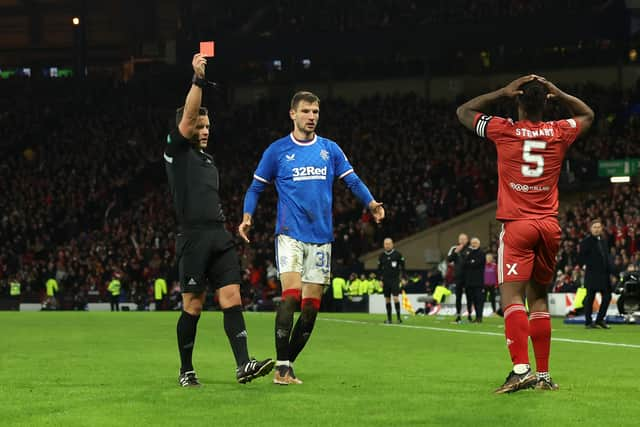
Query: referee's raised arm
x,y
187,125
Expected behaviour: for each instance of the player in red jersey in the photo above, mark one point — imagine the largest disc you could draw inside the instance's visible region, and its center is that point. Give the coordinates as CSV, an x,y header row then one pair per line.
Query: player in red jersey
x,y
530,155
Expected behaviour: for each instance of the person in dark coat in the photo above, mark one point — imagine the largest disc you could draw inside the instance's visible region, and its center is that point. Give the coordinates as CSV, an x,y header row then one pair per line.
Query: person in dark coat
x,y
474,277
594,252
456,256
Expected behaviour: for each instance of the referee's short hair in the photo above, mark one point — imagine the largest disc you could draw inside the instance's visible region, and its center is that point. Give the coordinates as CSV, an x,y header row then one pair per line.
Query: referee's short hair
x,y
303,96
180,111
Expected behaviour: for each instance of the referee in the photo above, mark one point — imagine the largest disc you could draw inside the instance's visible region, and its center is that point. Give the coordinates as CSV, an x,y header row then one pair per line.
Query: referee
x,y
205,251
390,267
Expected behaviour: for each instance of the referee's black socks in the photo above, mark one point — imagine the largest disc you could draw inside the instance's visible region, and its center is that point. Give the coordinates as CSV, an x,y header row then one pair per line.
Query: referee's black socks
x,y
397,306
237,333
388,307
186,330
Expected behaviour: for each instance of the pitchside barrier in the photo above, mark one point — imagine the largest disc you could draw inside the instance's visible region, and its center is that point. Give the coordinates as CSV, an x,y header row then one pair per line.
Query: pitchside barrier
x,y
559,304
562,303
93,306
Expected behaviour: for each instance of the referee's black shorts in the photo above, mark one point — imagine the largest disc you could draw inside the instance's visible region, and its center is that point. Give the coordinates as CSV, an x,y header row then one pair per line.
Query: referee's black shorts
x,y
206,256
391,288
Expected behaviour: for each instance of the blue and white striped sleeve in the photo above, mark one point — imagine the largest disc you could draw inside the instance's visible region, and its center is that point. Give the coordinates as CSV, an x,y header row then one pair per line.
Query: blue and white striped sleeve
x,y
268,167
264,174
341,164
344,171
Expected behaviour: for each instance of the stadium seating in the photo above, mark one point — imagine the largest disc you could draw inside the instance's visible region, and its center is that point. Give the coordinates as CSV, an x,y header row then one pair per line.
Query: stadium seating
x,y
87,194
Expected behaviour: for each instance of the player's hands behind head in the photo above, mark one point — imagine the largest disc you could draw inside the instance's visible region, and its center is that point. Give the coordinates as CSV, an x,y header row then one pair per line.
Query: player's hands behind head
x,y
243,228
377,211
553,90
199,63
513,89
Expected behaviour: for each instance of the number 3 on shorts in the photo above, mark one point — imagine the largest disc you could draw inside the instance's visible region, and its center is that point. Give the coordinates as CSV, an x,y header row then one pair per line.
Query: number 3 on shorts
x,y
323,259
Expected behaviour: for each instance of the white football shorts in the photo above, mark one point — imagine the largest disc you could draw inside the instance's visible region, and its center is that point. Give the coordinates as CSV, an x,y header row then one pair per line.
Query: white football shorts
x,y
311,260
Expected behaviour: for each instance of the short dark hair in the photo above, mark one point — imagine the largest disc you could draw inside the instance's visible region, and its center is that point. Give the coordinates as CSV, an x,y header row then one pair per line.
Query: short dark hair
x,y
303,96
595,221
533,98
180,111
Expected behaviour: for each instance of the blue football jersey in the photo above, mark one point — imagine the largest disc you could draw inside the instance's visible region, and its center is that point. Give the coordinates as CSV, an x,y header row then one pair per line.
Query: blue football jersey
x,y
303,173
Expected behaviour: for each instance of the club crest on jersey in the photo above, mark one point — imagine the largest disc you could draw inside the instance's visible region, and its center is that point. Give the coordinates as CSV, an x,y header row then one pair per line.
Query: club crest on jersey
x,y
324,154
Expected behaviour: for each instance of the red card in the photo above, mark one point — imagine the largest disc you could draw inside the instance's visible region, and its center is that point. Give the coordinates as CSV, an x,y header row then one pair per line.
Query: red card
x,y
207,49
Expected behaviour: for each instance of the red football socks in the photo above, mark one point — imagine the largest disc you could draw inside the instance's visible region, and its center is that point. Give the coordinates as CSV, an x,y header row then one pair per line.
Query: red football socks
x,y
516,330
540,331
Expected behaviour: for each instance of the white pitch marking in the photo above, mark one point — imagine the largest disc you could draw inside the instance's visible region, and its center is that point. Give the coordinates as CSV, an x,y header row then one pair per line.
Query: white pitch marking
x,y
466,331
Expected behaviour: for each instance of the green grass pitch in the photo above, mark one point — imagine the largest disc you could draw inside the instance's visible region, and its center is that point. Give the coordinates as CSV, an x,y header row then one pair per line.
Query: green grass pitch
x,y
120,369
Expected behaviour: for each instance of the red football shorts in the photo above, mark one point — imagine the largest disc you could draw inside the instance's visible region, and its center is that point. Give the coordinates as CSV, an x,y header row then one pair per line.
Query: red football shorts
x,y
527,250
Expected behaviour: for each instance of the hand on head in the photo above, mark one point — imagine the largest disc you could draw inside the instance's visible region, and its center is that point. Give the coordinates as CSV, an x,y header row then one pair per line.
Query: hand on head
x,y
513,89
551,88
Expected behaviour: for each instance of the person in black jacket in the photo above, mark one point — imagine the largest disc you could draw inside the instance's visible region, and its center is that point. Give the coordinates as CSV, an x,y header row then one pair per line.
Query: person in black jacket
x,y
390,267
594,258
456,255
474,277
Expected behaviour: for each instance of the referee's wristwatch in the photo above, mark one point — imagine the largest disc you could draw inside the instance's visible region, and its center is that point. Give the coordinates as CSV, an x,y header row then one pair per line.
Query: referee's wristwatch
x,y
201,83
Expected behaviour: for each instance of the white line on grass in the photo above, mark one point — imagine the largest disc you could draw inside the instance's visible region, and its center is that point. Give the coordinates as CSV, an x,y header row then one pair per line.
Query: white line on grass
x,y
466,331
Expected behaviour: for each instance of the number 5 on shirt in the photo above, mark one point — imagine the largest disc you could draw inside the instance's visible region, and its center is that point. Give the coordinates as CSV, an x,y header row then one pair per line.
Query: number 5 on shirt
x,y
533,158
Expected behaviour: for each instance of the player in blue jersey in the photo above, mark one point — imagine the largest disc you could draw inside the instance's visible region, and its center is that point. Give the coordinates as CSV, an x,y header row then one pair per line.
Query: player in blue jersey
x,y
303,166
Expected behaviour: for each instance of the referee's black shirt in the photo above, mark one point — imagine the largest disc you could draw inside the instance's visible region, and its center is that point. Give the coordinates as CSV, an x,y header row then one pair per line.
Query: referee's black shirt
x,y
390,265
194,183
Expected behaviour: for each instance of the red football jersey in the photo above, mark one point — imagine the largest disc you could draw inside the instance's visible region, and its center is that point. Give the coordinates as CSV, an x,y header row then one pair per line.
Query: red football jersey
x,y
530,159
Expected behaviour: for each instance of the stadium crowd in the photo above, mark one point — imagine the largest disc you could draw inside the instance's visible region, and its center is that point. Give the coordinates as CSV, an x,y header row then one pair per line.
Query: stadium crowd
x,y
391,21
362,15
86,194
619,210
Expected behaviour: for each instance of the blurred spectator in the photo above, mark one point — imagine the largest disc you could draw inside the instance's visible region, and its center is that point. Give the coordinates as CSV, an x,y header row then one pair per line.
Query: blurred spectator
x,y
491,280
159,292
51,302
474,263
114,292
